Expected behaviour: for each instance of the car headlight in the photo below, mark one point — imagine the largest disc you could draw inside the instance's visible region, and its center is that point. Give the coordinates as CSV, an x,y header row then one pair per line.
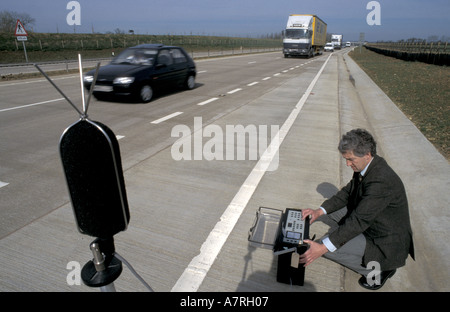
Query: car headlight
x,y
88,78
123,80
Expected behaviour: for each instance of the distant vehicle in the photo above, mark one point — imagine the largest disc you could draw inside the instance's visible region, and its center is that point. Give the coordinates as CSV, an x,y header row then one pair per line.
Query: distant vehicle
x,y
305,35
329,47
348,44
140,70
336,40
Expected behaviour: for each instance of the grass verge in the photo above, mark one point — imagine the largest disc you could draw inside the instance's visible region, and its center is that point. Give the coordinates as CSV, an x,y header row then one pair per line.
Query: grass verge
x,y
421,91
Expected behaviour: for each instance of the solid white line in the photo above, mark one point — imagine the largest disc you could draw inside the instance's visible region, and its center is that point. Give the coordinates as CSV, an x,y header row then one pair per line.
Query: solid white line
x,y
252,84
208,101
234,91
194,274
2,184
157,121
28,105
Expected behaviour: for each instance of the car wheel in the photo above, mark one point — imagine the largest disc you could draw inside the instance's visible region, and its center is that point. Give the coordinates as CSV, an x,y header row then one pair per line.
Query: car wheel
x,y
190,82
146,93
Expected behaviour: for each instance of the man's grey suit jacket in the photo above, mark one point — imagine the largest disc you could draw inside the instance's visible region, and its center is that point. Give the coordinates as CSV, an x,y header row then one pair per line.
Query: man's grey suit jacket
x,y
377,207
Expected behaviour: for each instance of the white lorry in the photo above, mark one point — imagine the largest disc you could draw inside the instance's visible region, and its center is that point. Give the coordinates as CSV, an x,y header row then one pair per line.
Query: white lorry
x,y
305,35
336,40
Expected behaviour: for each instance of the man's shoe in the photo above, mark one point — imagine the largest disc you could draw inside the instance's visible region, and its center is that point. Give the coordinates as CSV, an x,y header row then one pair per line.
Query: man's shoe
x,y
384,275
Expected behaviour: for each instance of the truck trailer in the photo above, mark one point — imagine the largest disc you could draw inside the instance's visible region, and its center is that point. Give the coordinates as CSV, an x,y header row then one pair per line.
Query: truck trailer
x,y
336,40
305,35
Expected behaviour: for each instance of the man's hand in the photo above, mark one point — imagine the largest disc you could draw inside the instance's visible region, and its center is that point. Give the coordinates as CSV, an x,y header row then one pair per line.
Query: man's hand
x,y
314,251
313,213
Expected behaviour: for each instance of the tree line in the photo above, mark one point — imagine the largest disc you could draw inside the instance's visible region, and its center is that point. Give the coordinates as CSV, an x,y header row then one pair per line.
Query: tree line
x,y
8,20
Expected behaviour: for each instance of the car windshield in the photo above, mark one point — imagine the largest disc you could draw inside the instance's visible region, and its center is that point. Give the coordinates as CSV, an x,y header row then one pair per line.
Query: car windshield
x,y
136,57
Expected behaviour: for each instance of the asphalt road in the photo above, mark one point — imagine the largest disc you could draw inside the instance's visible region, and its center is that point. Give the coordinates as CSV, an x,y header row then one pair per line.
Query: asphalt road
x,y
33,116
190,218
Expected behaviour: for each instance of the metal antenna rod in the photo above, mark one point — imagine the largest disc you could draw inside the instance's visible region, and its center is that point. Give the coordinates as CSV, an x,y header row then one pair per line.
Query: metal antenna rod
x,y
81,84
92,87
59,90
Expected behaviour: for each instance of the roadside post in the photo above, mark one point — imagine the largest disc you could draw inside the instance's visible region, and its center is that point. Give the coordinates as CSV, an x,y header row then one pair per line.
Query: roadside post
x,y
361,40
21,35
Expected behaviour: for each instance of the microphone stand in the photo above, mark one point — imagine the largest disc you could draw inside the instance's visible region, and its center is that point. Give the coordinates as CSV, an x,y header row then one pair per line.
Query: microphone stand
x,y
104,268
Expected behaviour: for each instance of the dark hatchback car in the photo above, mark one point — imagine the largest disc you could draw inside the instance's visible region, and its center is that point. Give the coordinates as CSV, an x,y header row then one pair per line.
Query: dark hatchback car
x,y
141,70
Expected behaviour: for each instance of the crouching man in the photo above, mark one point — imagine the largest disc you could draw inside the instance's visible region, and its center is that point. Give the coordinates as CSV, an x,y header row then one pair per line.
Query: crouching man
x,y
369,217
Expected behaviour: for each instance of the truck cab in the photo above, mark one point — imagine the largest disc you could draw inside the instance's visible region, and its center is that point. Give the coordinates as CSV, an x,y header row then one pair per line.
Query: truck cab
x,y
305,35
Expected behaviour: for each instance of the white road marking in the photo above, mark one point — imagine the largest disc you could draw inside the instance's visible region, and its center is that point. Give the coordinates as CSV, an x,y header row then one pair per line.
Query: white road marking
x,y
2,184
118,137
28,105
252,84
207,101
234,91
166,118
34,81
194,274
267,78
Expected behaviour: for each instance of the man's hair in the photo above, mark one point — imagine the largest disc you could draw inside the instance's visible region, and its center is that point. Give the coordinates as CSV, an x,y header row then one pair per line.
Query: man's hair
x,y
358,141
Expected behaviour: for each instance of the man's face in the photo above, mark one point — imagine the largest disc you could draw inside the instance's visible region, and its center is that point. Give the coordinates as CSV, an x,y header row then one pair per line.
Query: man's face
x,y
357,163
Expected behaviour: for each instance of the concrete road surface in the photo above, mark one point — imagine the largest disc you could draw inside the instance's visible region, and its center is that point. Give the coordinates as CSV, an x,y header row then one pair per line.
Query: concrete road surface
x,y
190,218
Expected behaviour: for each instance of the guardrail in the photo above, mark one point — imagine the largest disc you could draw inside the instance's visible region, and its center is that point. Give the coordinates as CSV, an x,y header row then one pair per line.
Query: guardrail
x,y
8,71
437,53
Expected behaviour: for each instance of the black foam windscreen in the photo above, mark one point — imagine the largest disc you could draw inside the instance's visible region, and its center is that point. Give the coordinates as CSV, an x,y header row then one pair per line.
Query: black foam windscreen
x,y
92,165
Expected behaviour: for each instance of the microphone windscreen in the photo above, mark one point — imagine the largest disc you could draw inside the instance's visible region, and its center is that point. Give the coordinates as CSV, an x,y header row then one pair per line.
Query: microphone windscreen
x,y
91,161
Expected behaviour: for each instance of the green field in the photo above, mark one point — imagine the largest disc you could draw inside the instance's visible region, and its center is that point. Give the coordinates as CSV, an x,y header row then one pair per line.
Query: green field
x,y
421,91
59,47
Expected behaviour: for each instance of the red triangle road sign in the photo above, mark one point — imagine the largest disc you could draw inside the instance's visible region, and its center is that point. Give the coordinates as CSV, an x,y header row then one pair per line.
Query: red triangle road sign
x,y
20,30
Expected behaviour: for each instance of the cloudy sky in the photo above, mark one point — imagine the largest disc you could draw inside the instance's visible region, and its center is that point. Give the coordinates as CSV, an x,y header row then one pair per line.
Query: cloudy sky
x,y
400,19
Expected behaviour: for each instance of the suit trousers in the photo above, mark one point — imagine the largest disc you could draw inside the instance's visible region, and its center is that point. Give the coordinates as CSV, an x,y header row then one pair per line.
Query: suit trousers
x,y
351,253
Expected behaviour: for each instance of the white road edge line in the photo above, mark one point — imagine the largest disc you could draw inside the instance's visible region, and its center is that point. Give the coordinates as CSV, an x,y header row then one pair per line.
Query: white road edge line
x,y
28,105
157,121
196,271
